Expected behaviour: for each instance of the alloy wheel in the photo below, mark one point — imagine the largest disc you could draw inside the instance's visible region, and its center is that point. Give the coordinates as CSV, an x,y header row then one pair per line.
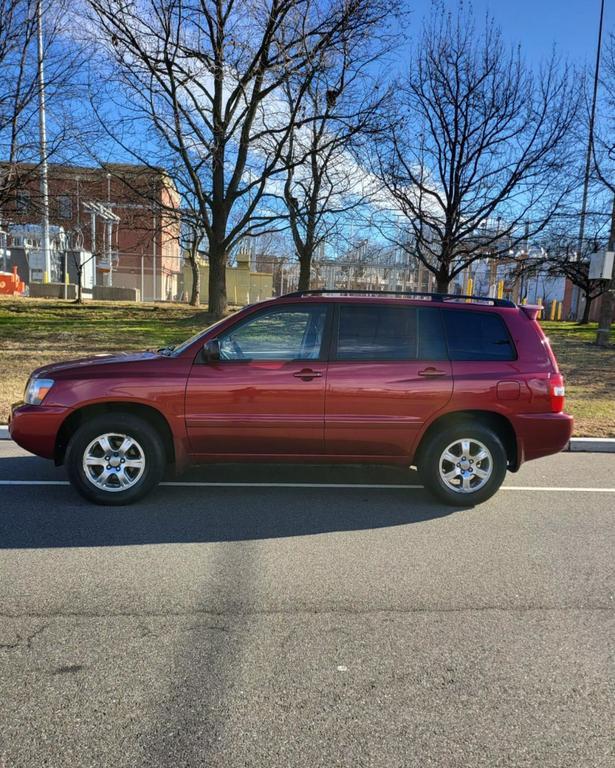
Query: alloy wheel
x,y
465,465
113,462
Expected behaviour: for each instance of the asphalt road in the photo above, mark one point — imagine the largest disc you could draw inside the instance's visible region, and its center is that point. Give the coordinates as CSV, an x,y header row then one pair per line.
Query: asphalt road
x,y
228,625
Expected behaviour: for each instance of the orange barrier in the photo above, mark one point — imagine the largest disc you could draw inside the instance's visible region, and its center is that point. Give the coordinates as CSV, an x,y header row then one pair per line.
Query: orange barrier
x,y
10,284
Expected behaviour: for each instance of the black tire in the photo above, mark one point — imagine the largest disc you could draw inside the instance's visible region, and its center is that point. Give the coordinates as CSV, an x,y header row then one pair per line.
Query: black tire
x,y
434,448
148,443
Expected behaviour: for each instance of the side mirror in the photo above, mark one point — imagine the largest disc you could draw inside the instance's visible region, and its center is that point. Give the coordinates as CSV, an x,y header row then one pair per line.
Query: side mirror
x,y
211,350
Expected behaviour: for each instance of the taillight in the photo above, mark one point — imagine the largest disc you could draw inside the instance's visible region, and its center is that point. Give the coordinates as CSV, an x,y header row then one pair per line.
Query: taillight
x,y
557,392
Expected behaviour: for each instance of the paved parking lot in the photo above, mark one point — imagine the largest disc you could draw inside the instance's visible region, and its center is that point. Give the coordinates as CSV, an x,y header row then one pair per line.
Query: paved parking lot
x,y
316,619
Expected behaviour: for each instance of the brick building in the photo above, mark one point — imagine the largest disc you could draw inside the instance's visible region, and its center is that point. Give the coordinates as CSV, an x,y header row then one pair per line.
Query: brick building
x,y
145,243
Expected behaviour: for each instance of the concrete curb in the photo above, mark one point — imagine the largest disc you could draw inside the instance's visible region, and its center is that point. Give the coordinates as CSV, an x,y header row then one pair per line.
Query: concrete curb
x,y
577,444
592,444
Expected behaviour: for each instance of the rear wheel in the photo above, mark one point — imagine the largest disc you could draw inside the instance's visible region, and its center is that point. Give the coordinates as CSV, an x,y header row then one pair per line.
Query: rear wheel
x,y
463,465
115,459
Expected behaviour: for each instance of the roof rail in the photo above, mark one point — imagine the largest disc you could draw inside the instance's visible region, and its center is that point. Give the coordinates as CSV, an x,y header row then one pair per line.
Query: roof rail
x,y
412,294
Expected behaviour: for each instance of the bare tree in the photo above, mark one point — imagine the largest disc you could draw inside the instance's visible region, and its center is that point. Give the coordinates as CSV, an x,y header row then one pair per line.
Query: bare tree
x,y
193,234
19,92
203,81
603,142
576,270
563,260
473,138
18,89
338,107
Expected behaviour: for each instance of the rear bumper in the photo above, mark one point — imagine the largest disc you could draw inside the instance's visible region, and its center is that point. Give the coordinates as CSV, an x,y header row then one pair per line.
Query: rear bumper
x,y
541,434
35,427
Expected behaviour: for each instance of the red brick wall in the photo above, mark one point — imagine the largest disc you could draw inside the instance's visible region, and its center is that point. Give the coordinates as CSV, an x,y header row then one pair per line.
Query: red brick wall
x,y
129,190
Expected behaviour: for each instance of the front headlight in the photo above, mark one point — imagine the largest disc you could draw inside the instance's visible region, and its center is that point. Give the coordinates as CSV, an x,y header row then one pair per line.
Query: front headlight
x,y
36,391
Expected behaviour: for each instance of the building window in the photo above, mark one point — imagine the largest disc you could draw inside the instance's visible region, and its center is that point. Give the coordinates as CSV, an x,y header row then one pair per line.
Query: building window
x,y
23,201
65,207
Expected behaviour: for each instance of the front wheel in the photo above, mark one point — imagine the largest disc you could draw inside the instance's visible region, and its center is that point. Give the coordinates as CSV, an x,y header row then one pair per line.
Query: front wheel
x,y
114,459
463,465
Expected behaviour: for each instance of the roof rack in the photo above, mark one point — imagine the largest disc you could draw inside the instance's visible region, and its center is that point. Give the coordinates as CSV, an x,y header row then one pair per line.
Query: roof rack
x,y
412,294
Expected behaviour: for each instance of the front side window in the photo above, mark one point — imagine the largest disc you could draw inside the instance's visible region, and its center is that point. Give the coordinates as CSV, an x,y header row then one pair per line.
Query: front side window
x,y
477,336
384,332
280,334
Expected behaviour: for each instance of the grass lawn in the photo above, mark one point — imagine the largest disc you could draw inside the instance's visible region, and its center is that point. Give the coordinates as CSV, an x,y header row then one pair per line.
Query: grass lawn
x,y
590,376
34,332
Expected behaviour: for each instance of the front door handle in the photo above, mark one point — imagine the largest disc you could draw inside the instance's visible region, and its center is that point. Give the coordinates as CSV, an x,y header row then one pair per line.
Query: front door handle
x,y
307,374
432,373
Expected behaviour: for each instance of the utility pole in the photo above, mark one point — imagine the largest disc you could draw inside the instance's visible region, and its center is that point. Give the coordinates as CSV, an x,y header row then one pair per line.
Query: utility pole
x,y
42,124
590,143
109,228
606,304
154,285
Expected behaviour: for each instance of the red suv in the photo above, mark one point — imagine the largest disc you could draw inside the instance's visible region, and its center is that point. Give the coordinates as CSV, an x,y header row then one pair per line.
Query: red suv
x,y
461,387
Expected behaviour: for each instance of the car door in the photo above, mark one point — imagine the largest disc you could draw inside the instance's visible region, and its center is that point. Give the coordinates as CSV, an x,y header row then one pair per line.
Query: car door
x,y
266,393
389,373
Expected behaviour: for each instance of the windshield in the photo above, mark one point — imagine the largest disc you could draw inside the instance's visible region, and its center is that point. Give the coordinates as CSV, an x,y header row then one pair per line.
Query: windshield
x,y
177,350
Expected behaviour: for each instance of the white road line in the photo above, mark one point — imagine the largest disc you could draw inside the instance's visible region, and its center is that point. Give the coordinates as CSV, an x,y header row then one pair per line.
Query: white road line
x,y
548,489
292,485
372,486
34,482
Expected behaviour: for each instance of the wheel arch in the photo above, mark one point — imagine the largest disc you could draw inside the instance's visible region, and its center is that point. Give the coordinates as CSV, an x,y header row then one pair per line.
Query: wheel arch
x,y
147,412
496,421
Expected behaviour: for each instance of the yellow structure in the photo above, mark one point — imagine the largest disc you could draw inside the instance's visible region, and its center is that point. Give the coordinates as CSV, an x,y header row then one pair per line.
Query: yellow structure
x,y
469,287
242,286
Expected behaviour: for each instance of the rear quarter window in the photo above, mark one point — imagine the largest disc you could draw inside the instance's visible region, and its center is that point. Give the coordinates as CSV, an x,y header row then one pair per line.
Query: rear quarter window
x,y
477,336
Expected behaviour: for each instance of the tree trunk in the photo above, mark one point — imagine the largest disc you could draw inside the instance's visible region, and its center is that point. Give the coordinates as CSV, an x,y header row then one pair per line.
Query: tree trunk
x,y
442,282
217,283
79,299
588,304
305,268
195,296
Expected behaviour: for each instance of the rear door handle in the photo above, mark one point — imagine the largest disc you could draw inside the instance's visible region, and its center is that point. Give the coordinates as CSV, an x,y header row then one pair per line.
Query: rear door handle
x,y
307,374
432,372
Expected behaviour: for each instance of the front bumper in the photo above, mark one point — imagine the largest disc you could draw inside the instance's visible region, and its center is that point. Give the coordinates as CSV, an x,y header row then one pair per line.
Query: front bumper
x,y
542,434
35,427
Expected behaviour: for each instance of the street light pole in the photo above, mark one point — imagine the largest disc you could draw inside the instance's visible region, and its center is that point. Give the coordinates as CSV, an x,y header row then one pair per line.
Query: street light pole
x,y
42,124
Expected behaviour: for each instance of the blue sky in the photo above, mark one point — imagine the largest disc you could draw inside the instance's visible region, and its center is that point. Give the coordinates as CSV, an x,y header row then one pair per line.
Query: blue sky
x,y
537,24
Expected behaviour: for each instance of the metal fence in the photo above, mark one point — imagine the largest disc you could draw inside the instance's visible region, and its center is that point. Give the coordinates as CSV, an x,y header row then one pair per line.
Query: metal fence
x,y
159,277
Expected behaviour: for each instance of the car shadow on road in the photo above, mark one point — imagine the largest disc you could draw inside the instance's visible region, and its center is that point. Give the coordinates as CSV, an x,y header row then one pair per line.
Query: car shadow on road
x,y
55,516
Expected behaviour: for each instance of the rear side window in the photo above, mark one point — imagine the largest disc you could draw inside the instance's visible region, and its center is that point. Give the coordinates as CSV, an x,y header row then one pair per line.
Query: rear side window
x,y
382,332
477,336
